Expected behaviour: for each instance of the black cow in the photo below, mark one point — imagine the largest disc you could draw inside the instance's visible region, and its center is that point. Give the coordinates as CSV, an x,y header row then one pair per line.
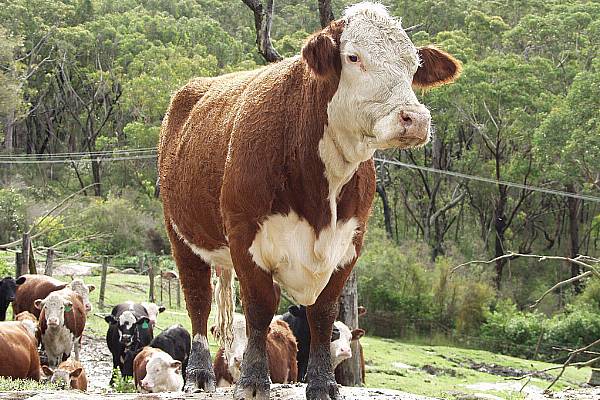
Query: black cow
x,y
8,288
128,332
175,341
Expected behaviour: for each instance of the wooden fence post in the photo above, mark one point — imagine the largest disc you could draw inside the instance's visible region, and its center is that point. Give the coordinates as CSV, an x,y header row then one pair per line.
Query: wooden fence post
x,y
151,277
170,304
49,260
32,265
350,373
161,283
18,264
140,264
103,282
178,294
25,254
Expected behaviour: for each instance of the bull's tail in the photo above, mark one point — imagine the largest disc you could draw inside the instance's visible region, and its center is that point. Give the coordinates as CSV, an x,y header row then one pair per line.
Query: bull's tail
x,y
225,300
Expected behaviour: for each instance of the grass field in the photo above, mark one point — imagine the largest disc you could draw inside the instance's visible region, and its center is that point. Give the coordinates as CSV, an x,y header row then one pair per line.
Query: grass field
x,y
438,371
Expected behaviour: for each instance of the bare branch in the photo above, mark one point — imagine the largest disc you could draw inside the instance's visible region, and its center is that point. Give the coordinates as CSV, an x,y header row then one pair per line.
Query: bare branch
x,y
263,18
560,284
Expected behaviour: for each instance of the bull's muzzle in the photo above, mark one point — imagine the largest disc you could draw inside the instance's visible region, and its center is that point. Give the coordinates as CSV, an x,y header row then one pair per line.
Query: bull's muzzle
x,y
415,123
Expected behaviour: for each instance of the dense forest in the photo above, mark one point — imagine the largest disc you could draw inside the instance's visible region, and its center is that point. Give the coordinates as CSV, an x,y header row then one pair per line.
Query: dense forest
x,y
95,76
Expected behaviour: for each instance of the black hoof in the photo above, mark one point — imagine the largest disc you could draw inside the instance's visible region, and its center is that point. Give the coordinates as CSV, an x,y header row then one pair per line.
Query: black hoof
x,y
322,390
252,391
199,371
200,380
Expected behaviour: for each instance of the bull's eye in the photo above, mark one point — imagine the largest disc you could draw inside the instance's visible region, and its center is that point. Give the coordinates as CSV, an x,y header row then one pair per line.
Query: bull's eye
x,y
353,58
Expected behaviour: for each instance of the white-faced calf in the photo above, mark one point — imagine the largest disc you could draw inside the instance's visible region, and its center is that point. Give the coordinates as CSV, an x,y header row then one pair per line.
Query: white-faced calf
x,y
62,319
155,371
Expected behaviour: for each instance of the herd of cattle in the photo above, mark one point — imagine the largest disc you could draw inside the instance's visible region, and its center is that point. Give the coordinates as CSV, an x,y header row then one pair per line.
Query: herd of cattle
x,y
44,341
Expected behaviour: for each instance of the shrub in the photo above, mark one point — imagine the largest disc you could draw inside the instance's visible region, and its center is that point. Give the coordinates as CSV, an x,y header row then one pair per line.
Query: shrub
x,y
511,331
12,215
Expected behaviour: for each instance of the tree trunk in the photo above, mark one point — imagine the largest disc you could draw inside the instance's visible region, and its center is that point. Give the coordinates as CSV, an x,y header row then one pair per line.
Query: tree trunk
x,y
325,12
10,132
349,371
574,207
96,176
387,212
500,228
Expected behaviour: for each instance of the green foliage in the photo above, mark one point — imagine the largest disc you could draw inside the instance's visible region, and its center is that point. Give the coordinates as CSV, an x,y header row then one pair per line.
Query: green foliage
x,y
515,332
6,269
123,384
12,215
398,284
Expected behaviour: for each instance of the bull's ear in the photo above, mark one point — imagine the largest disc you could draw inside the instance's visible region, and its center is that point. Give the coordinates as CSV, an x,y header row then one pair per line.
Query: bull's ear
x,y
20,280
39,303
91,288
47,371
321,52
436,68
75,373
144,322
110,319
357,334
161,309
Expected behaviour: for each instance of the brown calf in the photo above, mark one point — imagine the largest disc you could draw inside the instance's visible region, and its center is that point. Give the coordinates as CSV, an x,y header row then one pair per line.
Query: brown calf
x,y
68,373
281,353
18,352
40,286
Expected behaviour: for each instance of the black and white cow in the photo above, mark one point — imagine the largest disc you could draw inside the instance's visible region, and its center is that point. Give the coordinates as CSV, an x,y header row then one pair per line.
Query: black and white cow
x,y
128,332
175,341
8,288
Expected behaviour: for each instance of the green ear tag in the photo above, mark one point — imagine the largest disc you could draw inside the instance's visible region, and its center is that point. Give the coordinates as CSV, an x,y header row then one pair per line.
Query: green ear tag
x,y
145,325
68,308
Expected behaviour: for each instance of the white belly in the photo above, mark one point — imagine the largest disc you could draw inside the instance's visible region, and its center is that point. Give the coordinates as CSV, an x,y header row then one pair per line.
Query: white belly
x,y
287,247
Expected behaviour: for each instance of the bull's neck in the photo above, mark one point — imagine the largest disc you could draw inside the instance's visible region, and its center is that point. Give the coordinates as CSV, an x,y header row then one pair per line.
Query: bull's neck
x,y
341,152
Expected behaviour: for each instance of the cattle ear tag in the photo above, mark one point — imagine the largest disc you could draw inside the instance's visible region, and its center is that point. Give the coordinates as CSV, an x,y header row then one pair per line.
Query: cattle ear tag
x,y
145,325
68,308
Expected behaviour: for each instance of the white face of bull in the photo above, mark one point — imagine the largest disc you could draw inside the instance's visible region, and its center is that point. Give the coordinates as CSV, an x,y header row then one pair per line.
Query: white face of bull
x,y
163,374
375,101
83,290
55,307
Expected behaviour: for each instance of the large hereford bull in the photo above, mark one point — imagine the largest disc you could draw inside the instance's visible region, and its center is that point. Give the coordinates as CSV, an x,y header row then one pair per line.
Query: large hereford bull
x,y
270,172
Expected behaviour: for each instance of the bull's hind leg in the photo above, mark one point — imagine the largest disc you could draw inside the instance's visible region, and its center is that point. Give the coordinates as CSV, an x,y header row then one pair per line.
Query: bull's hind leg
x,y
194,274
260,302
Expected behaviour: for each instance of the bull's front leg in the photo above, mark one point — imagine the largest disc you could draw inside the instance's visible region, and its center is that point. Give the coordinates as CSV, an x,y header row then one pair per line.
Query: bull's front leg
x,y
321,316
260,303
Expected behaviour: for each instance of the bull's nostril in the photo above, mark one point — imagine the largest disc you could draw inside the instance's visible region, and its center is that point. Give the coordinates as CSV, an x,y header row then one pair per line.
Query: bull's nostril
x,y
405,119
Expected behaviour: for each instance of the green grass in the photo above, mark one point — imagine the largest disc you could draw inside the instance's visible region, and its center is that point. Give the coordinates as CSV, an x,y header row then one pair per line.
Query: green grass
x,y
17,385
380,354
